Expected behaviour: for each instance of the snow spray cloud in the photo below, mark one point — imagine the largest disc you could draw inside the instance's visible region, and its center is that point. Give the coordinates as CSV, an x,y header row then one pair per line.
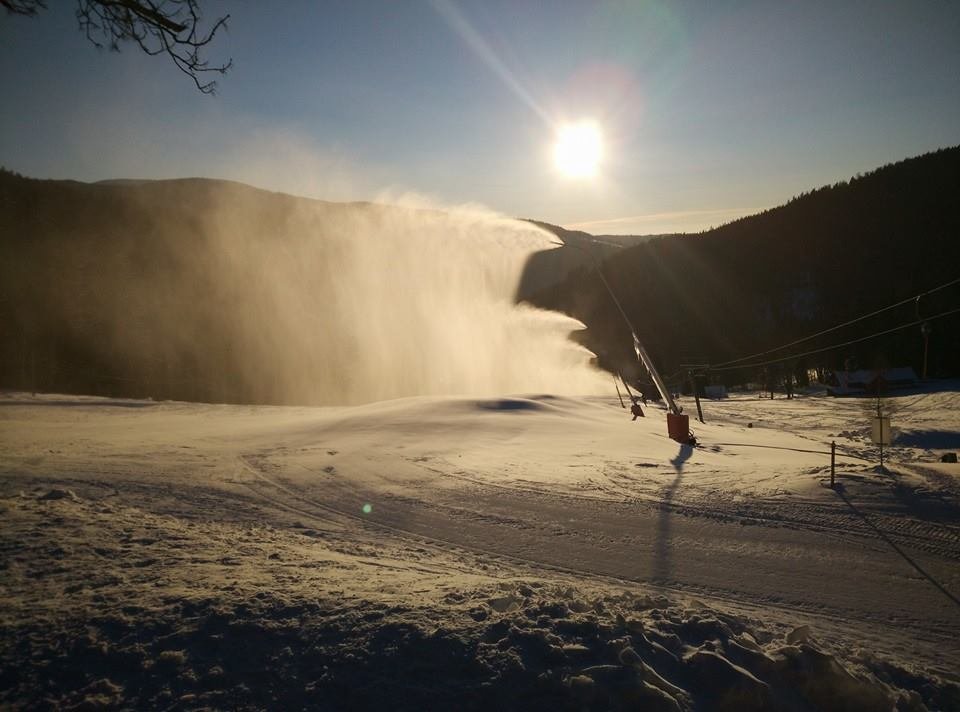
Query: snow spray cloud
x,y
215,291
382,302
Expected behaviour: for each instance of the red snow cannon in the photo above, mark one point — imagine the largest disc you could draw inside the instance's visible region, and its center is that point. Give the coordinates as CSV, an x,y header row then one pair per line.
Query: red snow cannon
x,y
678,427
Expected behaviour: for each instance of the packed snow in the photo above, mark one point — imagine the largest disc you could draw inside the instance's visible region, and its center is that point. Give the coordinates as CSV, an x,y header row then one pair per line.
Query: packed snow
x,y
522,552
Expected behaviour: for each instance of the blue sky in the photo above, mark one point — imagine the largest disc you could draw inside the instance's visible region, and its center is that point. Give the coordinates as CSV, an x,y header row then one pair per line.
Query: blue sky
x,y
709,110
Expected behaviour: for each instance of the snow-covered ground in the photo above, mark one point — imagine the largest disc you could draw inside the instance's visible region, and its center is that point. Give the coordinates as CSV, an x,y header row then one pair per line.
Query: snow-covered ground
x,y
531,552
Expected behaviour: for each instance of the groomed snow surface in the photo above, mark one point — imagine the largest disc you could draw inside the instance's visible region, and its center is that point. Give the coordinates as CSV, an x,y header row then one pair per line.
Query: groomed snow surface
x,y
526,553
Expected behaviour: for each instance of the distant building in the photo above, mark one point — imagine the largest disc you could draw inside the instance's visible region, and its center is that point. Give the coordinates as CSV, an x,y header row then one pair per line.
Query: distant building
x,y
715,392
848,383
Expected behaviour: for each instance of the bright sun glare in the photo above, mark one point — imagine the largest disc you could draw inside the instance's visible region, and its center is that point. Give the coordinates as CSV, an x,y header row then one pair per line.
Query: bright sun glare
x,y
578,150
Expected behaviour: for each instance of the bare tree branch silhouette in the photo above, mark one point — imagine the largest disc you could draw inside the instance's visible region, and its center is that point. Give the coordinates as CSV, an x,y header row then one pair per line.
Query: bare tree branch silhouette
x,y
171,27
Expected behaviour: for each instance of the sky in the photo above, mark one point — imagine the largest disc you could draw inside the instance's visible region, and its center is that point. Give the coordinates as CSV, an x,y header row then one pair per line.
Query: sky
x,y
708,110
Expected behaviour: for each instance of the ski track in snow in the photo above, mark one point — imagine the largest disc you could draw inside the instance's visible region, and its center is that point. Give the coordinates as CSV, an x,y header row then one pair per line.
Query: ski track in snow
x,y
475,512
553,487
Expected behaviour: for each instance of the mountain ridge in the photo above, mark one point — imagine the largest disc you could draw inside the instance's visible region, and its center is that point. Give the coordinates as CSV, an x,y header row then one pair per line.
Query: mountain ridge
x,y
75,257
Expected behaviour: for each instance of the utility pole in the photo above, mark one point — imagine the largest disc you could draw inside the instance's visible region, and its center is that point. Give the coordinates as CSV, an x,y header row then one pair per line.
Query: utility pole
x,y
615,385
833,464
691,378
880,422
925,329
696,395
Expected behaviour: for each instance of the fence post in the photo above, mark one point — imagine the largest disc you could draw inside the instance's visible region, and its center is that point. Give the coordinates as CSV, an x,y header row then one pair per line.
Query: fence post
x,y
833,463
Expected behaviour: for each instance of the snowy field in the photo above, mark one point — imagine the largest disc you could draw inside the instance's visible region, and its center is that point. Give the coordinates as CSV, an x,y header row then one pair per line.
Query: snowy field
x,y
533,552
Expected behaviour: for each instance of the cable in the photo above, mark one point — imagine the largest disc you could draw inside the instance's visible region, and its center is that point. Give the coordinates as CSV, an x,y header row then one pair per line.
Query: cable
x,y
835,346
896,408
642,356
838,326
615,300
728,365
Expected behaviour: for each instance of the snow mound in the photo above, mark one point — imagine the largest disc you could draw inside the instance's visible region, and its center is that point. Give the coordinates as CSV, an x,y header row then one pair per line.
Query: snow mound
x,y
530,650
56,494
509,404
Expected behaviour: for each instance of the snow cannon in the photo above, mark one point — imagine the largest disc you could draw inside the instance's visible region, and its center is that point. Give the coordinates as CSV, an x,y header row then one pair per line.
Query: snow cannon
x,y
678,424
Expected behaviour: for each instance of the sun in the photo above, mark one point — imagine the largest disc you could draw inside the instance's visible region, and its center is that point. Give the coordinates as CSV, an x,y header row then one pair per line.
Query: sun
x,y
579,149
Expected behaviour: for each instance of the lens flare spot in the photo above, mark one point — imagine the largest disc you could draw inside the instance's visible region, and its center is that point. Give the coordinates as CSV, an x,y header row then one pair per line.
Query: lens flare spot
x,y
367,508
578,149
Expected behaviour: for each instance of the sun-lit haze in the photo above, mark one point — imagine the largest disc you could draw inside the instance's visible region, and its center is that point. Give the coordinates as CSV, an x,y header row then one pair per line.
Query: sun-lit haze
x,y
407,301
254,297
709,110
579,149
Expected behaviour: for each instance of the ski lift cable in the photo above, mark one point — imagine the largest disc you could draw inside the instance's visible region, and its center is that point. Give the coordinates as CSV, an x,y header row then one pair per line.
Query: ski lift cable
x,y
726,364
837,346
638,348
838,326
596,266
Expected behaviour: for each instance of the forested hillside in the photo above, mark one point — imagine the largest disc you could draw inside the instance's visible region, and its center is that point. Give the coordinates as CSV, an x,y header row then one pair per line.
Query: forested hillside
x,y
185,289
825,257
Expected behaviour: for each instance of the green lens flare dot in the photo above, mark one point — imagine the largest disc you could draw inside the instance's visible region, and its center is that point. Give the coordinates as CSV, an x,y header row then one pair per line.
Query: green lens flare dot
x,y
367,508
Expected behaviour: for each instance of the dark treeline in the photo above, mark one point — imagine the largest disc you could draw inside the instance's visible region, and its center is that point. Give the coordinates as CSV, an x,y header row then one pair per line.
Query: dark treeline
x,y
825,257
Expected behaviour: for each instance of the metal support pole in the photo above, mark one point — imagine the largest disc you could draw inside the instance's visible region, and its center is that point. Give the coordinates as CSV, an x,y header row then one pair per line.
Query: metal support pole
x,y
654,374
881,443
33,370
925,329
696,396
880,419
641,352
615,385
833,464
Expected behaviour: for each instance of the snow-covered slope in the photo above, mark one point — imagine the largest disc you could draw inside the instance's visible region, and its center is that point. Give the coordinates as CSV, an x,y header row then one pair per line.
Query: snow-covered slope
x,y
525,552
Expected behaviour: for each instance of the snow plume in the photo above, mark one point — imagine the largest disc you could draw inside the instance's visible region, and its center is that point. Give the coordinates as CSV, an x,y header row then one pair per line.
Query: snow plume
x,y
412,302
350,303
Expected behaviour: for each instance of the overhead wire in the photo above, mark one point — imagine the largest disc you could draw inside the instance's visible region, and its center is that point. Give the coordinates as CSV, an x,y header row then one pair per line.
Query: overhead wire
x,y
642,356
837,327
730,365
835,346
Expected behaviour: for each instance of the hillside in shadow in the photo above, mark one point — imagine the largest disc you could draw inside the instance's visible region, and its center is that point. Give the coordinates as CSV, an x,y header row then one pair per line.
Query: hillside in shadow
x,y
575,249
825,257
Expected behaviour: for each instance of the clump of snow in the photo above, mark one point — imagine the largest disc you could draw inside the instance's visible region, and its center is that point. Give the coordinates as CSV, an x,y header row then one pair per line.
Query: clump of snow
x,y
59,494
